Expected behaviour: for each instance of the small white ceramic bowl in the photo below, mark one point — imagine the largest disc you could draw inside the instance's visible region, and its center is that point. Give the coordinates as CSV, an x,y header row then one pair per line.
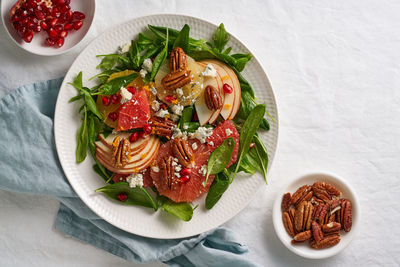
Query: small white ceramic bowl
x,y
304,250
37,45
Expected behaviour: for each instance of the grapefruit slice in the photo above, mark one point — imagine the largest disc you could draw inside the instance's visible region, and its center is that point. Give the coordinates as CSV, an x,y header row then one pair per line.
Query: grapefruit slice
x,y
223,131
194,188
134,113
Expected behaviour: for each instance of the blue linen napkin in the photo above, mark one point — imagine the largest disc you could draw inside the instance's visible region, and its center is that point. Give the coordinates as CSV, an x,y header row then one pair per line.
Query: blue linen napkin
x,y
29,164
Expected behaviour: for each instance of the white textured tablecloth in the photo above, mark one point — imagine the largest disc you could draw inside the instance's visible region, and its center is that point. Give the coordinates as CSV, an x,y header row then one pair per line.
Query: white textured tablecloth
x,y
335,70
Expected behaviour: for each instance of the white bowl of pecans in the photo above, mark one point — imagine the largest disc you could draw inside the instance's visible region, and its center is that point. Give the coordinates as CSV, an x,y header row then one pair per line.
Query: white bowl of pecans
x,y
316,216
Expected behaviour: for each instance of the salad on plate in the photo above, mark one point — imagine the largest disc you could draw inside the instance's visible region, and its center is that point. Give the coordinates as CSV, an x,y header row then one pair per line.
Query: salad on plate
x,y
171,119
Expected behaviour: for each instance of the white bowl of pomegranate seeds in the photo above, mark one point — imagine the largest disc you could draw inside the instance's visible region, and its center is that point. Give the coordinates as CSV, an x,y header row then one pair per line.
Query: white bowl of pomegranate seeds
x,y
319,217
47,27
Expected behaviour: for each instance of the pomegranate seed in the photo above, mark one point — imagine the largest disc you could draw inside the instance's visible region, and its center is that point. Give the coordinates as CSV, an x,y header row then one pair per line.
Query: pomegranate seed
x,y
184,179
79,15
24,21
63,33
39,15
64,8
31,11
77,25
60,42
68,26
52,22
43,25
55,9
21,30
67,2
170,98
52,32
252,145
23,13
49,42
186,171
30,25
37,28
131,89
105,100
25,5
55,14
227,88
28,36
58,28
122,196
147,129
62,20
113,116
15,18
133,137
141,134
69,15
114,99
59,2
32,3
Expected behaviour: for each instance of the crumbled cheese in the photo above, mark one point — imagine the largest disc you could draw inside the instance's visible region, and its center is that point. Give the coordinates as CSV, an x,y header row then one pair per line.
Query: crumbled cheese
x,y
179,91
228,132
177,133
177,109
203,170
174,163
125,48
147,65
178,168
175,159
178,175
135,179
155,169
185,127
194,146
153,90
209,71
201,134
155,105
143,73
174,117
162,113
125,95
211,143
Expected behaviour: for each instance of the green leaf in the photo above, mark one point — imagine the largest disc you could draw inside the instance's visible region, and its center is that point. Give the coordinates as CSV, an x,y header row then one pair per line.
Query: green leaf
x,y
182,210
82,139
114,85
258,157
182,40
160,58
217,189
137,196
202,54
134,55
108,62
245,166
75,98
91,104
220,157
248,131
220,38
190,127
77,83
187,114
144,41
103,76
101,171
150,52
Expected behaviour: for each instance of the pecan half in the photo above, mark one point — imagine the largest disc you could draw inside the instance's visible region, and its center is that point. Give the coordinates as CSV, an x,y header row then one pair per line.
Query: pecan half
x,y
328,241
286,201
317,211
347,216
121,149
317,231
299,217
176,79
303,193
177,59
308,211
183,152
325,189
288,223
168,171
331,227
322,214
212,97
303,236
162,127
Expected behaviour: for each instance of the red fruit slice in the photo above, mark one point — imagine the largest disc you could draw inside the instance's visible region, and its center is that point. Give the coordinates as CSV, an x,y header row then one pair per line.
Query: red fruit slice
x,y
134,113
147,181
193,188
223,131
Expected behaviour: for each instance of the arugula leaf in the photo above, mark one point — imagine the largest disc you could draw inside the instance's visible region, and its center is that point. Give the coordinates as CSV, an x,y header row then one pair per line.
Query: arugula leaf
x,y
248,131
91,104
82,140
220,157
220,38
182,210
187,114
182,40
134,55
114,85
217,189
75,98
137,196
160,58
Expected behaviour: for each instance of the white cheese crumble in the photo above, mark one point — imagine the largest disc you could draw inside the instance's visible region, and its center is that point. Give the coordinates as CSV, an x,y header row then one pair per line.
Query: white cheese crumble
x,y
125,95
155,105
135,179
211,143
178,168
177,109
147,65
143,73
179,91
201,134
228,132
177,133
185,127
155,169
209,71
162,113
125,48
194,146
153,90
174,117
203,170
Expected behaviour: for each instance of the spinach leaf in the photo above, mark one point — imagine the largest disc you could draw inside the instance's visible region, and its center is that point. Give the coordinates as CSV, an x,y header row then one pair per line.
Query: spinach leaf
x,y
258,157
108,62
144,41
82,140
134,55
182,40
137,196
220,157
187,114
246,166
114,85
182,210
103,76
101,171
220,38
217,189
91,104
75,98
248,131
247,104
160,58
150,52
190,127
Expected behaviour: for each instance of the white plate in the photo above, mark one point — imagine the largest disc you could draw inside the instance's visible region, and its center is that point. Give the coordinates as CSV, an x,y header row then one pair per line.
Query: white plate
x,y
84,180
37,45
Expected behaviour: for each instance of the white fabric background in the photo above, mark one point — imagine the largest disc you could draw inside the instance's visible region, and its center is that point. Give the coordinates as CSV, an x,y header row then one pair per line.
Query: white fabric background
x,y
335,70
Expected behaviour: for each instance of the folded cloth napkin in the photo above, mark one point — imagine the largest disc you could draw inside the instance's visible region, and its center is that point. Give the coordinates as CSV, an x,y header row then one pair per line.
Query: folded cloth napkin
x,y
29,164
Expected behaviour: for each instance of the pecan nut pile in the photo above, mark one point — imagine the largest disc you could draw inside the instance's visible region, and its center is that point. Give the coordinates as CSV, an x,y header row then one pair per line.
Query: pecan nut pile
x,y
316,213
179,75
